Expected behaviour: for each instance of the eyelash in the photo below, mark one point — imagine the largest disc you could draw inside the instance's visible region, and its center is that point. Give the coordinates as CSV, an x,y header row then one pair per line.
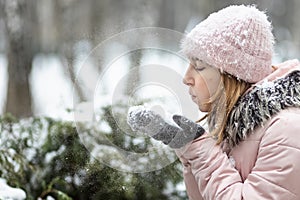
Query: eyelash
x,y
196,65
199,69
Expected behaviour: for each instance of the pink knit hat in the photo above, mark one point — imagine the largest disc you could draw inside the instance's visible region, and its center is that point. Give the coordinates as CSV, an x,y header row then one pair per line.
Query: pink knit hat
x,y
237,39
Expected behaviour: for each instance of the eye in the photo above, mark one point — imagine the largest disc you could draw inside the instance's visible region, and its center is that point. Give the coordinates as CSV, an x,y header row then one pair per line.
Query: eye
x,y
199,68
198,64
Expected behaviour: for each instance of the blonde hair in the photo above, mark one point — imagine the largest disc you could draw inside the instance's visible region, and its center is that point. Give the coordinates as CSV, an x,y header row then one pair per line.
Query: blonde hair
x,y
222,103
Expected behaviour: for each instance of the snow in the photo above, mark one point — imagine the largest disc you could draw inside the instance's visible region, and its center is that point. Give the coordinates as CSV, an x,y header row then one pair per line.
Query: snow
x,y
171,188
142,119
52,90
52,94
141,115
10,193
84,112
266,84
138,116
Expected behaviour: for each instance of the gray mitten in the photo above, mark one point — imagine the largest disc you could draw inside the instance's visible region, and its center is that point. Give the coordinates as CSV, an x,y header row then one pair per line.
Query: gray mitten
x,y
149,122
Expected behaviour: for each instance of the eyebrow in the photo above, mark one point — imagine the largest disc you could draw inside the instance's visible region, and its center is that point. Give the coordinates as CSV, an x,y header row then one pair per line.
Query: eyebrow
x,y
195,59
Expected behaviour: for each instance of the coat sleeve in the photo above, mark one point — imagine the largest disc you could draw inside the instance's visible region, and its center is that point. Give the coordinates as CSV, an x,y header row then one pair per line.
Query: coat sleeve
x,y
274,176
191,184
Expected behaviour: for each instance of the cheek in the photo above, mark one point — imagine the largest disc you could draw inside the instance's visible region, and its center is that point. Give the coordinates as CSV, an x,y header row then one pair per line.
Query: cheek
x,y
203,97
213,85
212,78
207,87
203,92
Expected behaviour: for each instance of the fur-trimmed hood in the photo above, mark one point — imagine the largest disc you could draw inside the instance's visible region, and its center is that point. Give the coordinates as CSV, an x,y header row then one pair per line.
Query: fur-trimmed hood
x,y
276,92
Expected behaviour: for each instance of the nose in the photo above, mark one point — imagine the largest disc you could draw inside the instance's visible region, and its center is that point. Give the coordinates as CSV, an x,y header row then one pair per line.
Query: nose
x,y
188,78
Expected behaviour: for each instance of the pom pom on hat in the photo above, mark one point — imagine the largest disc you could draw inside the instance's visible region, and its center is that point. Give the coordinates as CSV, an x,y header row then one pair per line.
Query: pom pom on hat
x,y
237,39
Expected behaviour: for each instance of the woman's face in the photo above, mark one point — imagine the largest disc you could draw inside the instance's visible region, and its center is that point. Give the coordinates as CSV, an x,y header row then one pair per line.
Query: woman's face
x,y
203,81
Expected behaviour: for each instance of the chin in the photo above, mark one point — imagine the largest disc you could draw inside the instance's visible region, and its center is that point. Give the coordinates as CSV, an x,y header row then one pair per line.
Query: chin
x,y
203,108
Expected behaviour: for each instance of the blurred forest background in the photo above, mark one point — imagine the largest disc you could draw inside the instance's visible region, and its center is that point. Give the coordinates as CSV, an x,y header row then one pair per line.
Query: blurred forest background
x,y
42,43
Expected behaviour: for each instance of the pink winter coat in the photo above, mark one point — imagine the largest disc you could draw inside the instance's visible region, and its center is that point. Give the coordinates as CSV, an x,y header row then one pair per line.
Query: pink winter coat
x,y
264,160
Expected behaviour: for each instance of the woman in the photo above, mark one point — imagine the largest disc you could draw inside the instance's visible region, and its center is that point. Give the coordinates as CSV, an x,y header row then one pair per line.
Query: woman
x,y
252,150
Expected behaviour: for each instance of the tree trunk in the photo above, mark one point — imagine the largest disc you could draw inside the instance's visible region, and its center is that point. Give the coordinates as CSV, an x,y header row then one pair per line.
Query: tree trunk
x,y
134,75
20,55
296,25
167,12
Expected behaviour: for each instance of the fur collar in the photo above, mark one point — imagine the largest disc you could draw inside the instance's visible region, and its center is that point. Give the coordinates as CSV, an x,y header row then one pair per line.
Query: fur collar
x,y
260,104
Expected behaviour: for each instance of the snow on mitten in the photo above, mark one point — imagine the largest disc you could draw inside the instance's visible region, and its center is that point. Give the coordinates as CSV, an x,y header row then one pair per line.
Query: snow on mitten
x,y
147,121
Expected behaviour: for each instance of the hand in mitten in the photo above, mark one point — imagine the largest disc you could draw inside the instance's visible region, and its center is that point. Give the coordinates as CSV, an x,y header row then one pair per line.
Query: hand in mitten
x,y
149,122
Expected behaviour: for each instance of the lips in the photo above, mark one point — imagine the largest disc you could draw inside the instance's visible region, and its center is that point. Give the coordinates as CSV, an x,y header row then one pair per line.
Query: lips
x,y
192,96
